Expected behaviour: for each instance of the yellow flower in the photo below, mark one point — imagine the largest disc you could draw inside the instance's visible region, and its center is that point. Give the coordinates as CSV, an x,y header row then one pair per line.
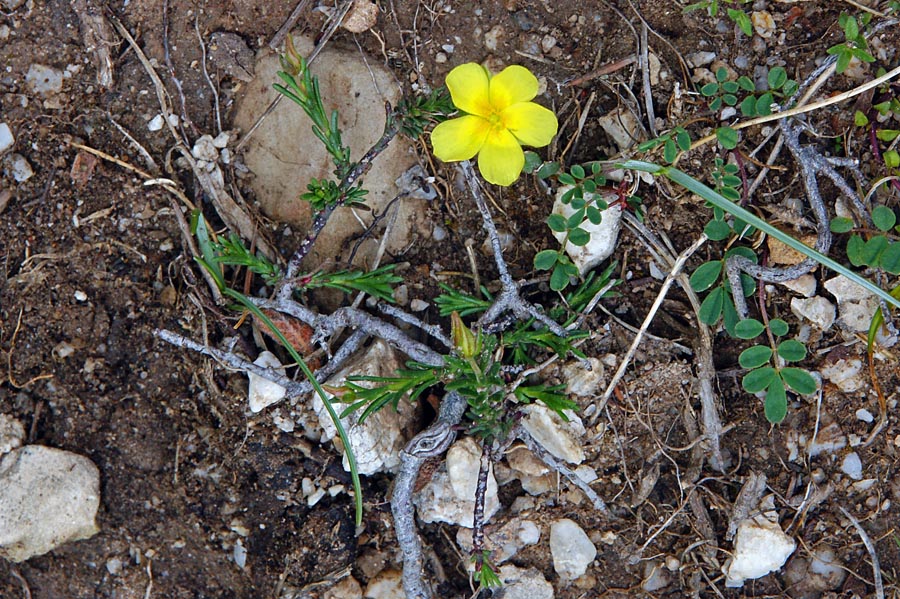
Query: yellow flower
x,y
500,118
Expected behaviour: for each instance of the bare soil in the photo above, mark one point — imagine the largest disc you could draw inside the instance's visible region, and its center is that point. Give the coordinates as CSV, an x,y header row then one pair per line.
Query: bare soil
x,y
93,261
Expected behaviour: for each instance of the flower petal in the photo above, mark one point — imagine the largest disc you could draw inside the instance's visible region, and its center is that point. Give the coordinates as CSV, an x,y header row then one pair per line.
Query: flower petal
x,y
469,86
501,158
532,124
459,138
513,84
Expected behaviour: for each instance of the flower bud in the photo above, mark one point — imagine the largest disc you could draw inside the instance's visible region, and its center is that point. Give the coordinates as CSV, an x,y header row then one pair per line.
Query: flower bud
x,y
463,338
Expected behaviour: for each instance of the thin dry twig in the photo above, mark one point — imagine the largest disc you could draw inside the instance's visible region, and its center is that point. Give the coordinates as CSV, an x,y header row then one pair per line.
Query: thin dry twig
x,y
870,547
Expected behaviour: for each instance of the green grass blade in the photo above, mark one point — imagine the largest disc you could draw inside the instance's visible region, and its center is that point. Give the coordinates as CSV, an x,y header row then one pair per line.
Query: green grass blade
x,y
716,199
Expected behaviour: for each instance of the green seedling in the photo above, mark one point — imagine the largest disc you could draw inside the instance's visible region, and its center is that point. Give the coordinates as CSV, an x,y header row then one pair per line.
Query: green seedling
x,y
854,44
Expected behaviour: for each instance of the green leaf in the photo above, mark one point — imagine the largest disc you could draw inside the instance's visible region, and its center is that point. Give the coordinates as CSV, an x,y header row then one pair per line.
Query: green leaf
x,y
746,83
748,106
532,161
706,275
755,356
594,215
855,247
791,350
721,74
557,223
669,151
748,328
560,278
716,104
683,139
841,224
843,60
730,317
731,193
742,20
890,259
851,28
777,77
729,99
776,402
884,218
757,380
545,259
730,87
566,179
778,327
711,308
717,230
799,380
764,104
548,169
728,137
860,119
891,158
579,237
577,171
873,249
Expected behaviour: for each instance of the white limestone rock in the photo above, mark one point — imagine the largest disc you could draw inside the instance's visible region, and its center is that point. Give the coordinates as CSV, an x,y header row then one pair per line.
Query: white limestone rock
x,y
43,80
376,442
7,140
503,542
560,438
12,433
387,584
852,466
621,126
17,166
450,496
519,583
264,392
603,236
817,310
805,285
571,549
579,380
845,373
856,306
48,497
760,547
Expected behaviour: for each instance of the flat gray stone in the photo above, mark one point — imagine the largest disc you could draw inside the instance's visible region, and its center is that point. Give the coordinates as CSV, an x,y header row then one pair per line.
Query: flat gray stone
x,y
284,155
48,497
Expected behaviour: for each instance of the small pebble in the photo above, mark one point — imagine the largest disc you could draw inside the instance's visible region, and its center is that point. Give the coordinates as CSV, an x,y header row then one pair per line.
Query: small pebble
x,y
440,58
852,466
865,415
439,233
7,140
418,305
17,167
80,295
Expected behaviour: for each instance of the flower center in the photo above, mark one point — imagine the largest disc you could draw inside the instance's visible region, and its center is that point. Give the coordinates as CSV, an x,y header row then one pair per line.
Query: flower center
x,y
496,120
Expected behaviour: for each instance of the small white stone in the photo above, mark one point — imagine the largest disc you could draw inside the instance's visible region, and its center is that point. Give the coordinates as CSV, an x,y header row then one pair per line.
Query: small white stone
x,y
12,433
804,285
361,17
571,549
586,473
114,566
7,140
763,23
852,466
440,58
548,42
579,380
448,48
856,305
699,59
817,310
621,126
387,584
760,547
80,296
48,497
239,553
205,149
523,584
560,438
845,373
865,415
418,305
603,236
450,496
156,123
17,167
43,80
493,37
264,393
317,496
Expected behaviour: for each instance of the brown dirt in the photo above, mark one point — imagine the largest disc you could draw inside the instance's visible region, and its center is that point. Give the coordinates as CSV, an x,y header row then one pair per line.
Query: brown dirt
x,y
187,473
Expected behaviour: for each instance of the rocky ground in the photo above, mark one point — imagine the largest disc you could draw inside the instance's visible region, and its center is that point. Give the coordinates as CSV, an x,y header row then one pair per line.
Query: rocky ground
x,y
182,478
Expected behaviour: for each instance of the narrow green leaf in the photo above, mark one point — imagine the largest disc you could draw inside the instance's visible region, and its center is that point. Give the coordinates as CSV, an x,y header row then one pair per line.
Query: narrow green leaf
x,y
776,402
711,308
757,380
754,357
